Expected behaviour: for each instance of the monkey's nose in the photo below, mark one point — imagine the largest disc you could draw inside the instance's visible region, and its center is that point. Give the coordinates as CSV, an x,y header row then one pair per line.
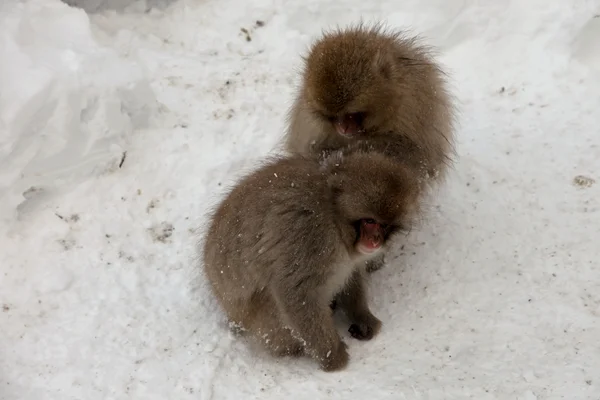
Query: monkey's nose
x,y
347,125
342,126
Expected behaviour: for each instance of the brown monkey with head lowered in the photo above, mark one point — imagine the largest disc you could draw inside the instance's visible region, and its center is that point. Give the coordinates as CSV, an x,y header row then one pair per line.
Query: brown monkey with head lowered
x,y
371,89
294,235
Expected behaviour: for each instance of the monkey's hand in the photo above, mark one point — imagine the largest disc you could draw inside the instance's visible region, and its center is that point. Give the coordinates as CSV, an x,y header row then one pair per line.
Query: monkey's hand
x,y
375,264
336,359
365,327
333,304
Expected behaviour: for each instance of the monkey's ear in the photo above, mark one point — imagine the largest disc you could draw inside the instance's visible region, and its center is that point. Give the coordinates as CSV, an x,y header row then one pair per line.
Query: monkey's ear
x,y
382,64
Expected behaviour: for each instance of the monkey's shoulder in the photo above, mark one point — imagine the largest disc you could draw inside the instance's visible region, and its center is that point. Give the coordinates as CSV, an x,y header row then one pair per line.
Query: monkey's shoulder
x,y
296,173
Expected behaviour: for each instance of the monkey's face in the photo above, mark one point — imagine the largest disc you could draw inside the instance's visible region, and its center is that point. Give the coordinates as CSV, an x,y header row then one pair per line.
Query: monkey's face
x,y
352,111
376,197
348,124
347,84
371,235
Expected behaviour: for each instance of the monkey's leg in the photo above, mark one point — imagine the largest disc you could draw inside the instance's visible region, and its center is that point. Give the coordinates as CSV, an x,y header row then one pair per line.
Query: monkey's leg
x,y
375,264
269,329
353,300
312,322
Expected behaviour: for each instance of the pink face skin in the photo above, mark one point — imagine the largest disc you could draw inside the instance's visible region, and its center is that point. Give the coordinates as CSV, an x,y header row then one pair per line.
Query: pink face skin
x,y
371,237
348,125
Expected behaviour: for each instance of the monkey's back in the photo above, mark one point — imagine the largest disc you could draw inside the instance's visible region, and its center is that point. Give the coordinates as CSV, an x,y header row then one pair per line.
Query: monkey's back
x,y
272,224
425,113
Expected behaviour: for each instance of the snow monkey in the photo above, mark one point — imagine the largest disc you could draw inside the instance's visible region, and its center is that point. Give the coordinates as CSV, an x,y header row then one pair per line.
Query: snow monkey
x,y
293,236
378,90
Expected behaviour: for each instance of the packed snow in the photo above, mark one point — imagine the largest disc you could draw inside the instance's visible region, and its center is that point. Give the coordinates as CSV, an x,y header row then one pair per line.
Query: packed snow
x,y
120,128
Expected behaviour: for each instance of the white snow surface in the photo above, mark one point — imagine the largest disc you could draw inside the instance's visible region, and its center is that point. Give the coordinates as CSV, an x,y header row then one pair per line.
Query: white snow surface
x,y
120,129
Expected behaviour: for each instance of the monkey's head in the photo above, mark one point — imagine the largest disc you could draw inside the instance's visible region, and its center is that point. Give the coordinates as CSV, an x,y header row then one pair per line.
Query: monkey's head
x,y
354,80
375,197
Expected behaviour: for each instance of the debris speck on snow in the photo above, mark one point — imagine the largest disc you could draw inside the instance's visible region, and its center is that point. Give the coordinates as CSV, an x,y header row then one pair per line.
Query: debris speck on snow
x,y
161,232
583,181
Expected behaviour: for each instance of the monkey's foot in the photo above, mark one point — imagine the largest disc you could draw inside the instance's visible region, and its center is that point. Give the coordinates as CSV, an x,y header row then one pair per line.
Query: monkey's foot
x,y
335,360
365,328
291,350
285,345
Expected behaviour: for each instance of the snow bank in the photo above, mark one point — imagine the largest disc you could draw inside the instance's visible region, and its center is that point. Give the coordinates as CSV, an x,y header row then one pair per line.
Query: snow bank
x,y
68,106
93,6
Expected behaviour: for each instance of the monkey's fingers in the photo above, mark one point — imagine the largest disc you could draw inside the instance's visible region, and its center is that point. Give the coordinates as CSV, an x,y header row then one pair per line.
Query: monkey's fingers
x,y
374,265
365,330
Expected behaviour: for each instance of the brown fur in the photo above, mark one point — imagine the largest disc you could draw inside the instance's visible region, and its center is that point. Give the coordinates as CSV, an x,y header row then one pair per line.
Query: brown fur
x,y
282,245
394,83
385,75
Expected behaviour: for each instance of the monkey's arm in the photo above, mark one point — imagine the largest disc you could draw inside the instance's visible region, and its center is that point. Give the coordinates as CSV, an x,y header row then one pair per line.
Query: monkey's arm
x,y
310,317
353,301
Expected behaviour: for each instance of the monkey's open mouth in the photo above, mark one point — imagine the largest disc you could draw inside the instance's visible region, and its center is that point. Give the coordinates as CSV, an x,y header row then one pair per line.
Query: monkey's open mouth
x,y
349,124
370,237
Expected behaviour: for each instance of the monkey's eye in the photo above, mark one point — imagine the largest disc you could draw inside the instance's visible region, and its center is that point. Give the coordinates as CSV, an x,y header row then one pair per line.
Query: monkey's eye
x,y
369,221
357,117
323,116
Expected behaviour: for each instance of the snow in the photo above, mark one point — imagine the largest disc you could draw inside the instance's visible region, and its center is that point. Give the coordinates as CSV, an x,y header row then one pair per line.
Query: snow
x,y
119,129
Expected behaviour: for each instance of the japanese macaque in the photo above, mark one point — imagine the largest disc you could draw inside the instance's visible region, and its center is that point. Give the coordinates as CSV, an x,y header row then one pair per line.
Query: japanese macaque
x,y
374,90
293,237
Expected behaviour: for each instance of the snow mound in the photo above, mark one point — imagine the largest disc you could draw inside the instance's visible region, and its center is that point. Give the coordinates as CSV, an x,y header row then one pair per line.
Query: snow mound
x,y
93,6
67,106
